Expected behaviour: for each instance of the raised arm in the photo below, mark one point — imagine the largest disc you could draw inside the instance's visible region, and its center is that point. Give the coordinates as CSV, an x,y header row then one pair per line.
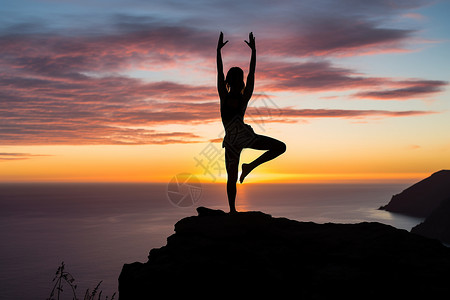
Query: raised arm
x,y
221,87
251,73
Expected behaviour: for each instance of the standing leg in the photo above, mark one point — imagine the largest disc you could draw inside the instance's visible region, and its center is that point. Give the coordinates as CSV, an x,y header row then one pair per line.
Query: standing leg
x,y
232,166
274,147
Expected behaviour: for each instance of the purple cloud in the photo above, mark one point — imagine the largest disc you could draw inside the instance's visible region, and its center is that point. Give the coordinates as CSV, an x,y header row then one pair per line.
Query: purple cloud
x,y
410,89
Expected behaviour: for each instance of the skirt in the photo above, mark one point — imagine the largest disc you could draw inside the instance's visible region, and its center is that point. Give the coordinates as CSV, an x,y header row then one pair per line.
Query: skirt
x,y
238,135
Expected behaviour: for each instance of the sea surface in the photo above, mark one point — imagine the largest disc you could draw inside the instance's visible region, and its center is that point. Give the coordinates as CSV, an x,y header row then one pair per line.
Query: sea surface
x,y
96,228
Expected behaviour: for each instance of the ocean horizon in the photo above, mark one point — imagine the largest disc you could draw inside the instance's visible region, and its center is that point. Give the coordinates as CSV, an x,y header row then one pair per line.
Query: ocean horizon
x,y
95,228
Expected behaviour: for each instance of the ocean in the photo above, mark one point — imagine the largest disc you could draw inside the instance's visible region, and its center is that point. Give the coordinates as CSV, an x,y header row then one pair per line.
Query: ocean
x,y
97,227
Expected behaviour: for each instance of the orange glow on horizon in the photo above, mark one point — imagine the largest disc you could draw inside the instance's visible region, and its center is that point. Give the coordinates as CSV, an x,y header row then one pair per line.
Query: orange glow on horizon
x,y
251,179
159,164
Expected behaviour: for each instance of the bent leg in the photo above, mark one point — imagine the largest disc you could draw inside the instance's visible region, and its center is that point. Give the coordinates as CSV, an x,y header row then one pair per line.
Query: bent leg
x,y
232,166
274,148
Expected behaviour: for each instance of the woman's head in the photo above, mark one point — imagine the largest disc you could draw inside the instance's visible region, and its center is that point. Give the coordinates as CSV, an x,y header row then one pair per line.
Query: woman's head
x,y
235,79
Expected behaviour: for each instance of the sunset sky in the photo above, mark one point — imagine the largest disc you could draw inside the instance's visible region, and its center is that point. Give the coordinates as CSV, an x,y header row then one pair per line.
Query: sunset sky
x,y
119,90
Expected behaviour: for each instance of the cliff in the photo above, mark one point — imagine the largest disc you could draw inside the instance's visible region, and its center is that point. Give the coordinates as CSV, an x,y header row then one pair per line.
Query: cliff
x,y
422,198
216,254
437,224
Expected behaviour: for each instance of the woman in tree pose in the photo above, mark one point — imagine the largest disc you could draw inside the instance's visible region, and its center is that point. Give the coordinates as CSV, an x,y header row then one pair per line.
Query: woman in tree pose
x,y
234,97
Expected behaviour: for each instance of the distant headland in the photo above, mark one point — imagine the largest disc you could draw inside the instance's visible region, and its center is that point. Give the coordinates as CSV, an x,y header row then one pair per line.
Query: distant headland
x,y
420,199
429,199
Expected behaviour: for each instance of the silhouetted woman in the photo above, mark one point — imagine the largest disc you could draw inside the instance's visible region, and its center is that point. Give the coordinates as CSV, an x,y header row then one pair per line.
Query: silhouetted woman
x,y
234,97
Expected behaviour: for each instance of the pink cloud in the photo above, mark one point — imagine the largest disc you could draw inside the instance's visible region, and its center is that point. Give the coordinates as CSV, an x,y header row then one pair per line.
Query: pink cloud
x,y
88,134
36,121
151,46
414,16
61,89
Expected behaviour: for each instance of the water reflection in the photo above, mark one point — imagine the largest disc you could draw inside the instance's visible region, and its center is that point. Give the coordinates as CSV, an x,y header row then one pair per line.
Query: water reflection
x,y
320,203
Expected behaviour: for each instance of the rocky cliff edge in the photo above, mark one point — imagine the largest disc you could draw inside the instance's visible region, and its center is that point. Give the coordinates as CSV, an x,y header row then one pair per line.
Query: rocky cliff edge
x,y
216,254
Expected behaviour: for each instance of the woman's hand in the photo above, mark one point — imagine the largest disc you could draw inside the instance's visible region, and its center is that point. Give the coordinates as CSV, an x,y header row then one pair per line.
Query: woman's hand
x,y
251,41
220,44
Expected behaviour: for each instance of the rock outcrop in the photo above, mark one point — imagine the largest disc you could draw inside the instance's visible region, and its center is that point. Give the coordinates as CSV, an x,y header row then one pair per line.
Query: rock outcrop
x,y
215,255
420,199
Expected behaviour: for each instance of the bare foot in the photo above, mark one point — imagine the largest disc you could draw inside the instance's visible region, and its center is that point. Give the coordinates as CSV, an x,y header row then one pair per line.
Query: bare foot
x,y
246,169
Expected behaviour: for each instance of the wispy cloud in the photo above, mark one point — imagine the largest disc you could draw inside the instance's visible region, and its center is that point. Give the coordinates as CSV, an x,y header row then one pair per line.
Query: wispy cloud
x,y
331,36
319,76
311,76
5,156
289,114
409,89
90,134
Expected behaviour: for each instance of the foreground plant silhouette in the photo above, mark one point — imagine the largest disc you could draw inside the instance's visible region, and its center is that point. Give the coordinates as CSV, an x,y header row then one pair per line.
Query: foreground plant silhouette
x,y
62,277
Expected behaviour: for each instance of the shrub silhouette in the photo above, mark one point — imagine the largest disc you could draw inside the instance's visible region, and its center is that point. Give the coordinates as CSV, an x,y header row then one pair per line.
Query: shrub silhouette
x,y
63,277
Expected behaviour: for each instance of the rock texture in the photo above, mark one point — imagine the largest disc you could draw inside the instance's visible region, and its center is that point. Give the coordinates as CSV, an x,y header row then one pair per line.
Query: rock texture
x,y
437,224
215,255
422,198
